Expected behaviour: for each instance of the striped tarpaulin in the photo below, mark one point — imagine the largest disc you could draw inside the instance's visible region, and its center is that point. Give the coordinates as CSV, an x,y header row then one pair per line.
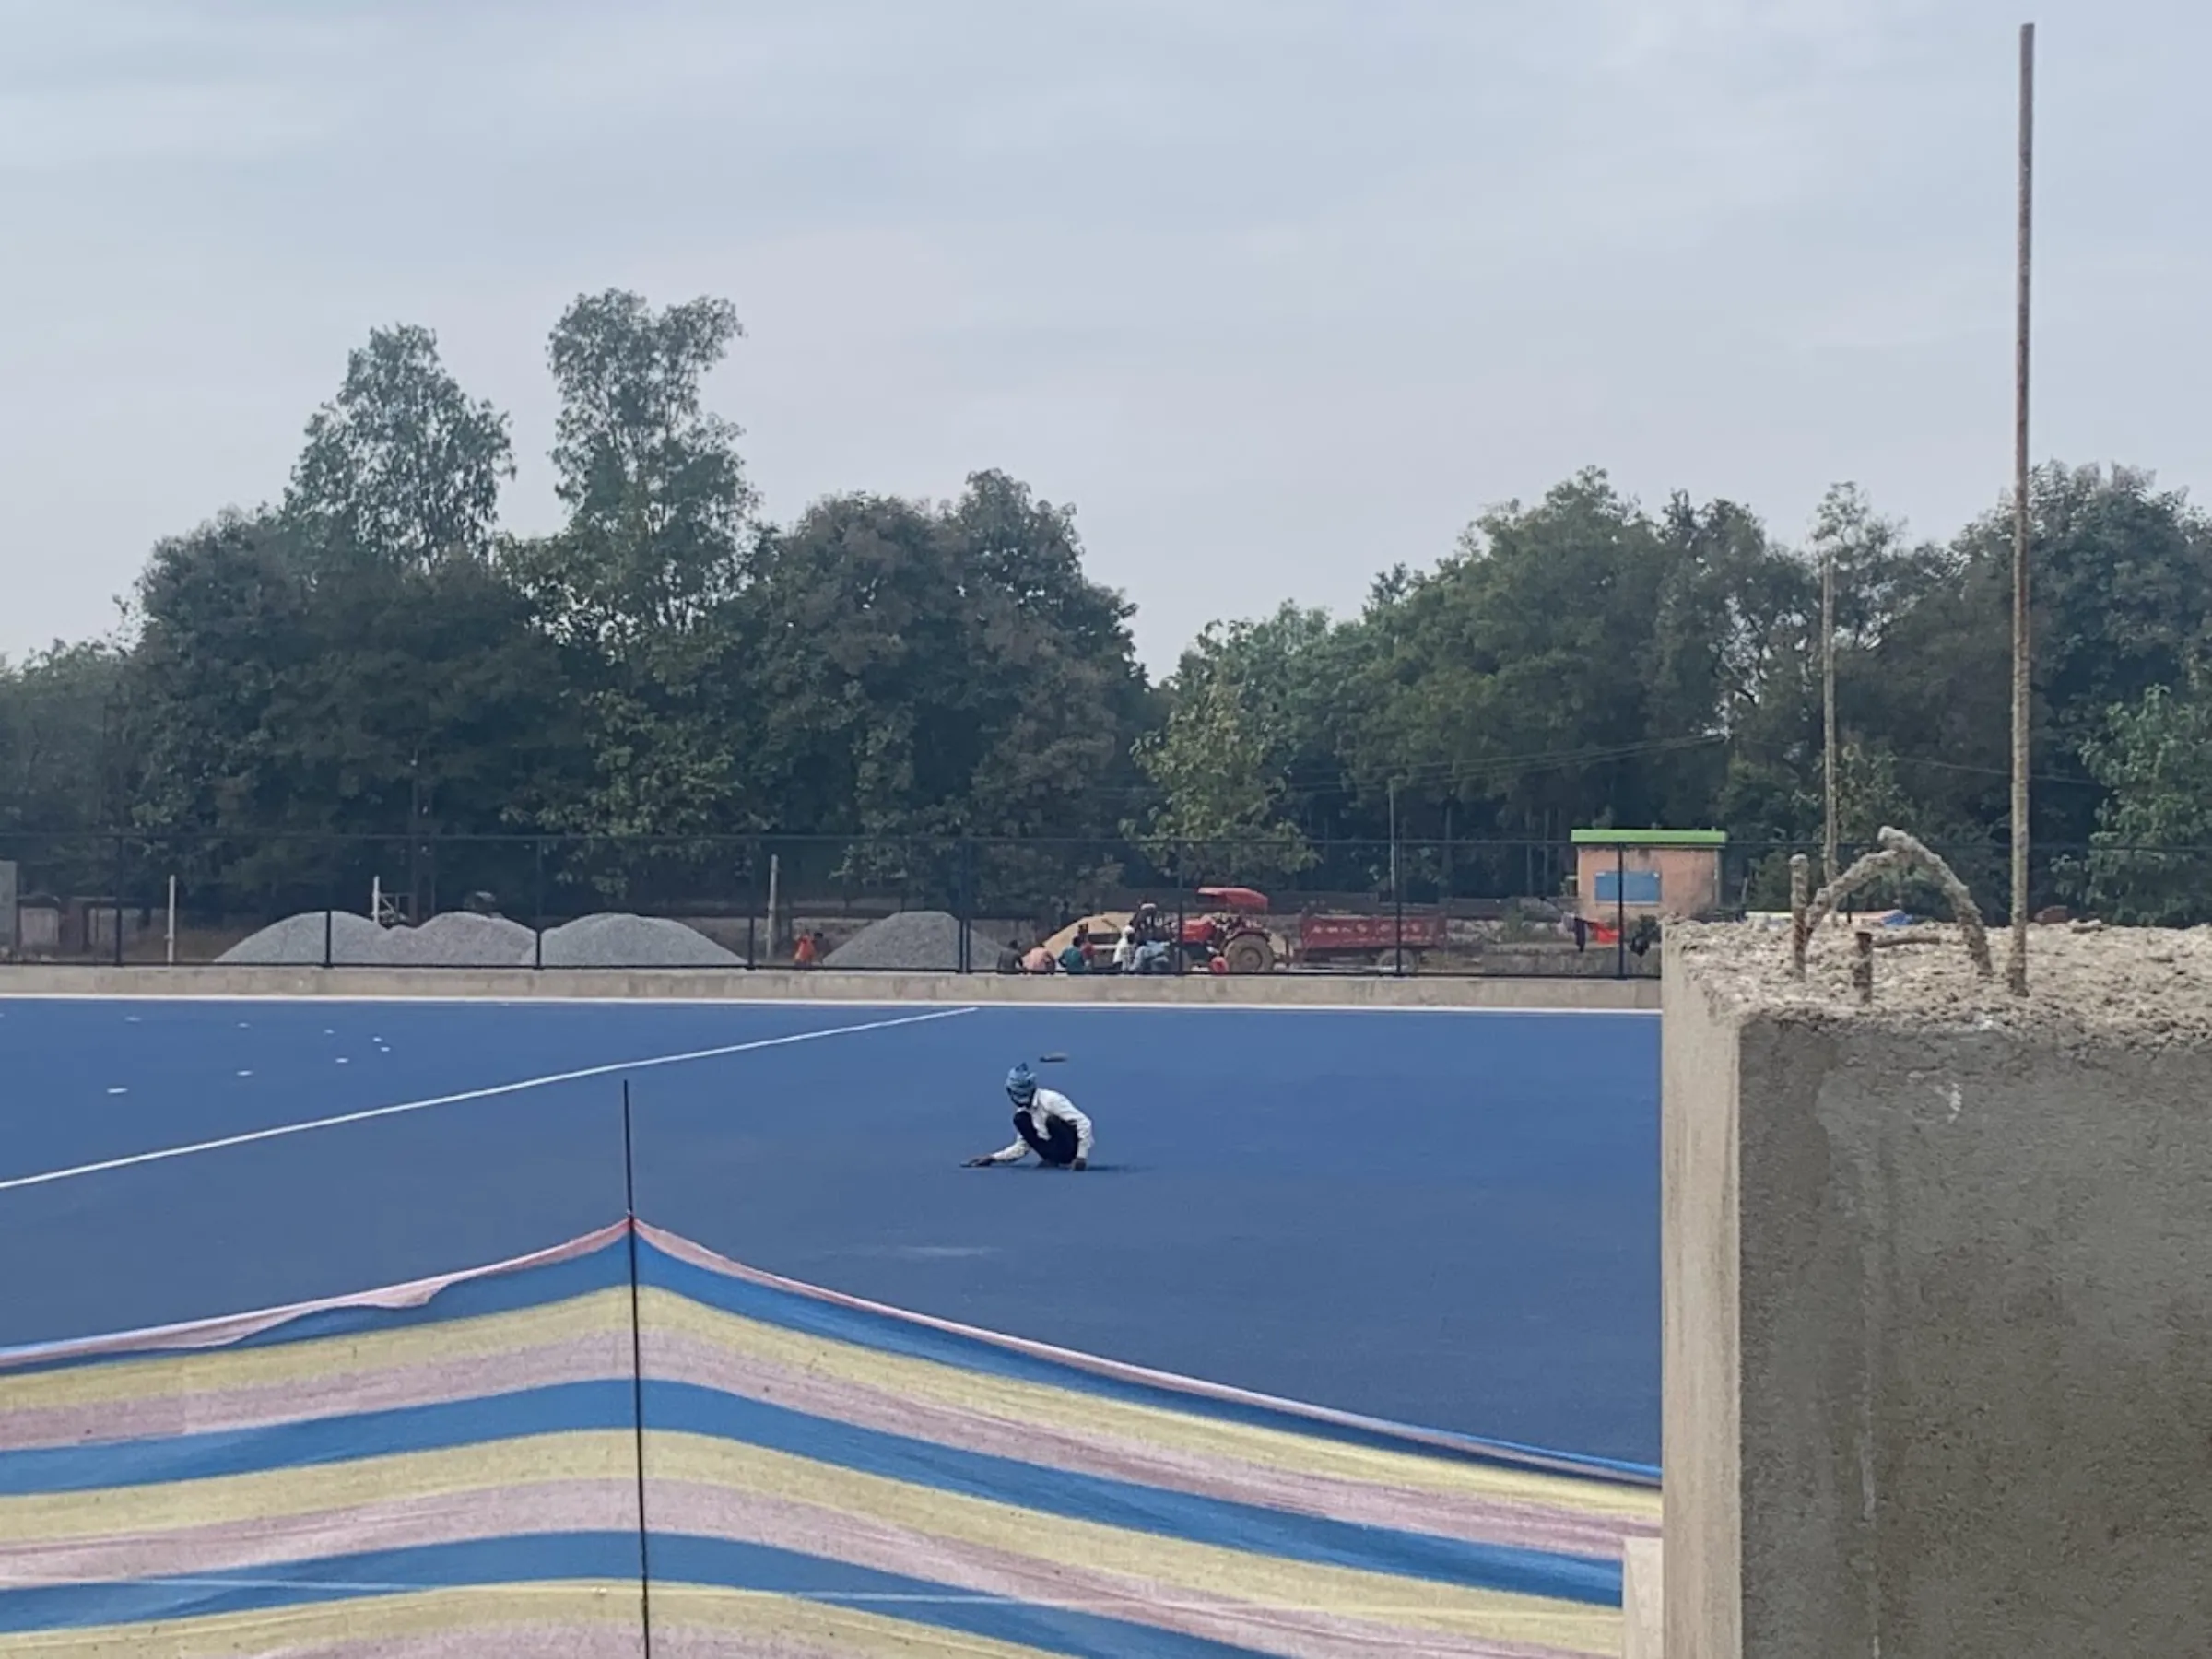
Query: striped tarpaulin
x,y
451,1467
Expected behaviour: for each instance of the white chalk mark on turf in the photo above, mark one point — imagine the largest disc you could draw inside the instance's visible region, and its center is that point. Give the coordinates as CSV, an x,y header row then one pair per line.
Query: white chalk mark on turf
x,y
280,1130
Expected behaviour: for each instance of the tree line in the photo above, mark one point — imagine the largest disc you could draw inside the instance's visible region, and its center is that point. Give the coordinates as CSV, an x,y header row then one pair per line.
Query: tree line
x,y
372,655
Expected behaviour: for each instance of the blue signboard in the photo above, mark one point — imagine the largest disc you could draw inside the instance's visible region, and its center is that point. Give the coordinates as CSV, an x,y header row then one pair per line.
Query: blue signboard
x,y
1628,887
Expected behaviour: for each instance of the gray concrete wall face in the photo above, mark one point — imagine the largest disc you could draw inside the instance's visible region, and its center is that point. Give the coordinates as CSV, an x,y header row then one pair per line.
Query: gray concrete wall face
x,y
1960,1280
1699,1335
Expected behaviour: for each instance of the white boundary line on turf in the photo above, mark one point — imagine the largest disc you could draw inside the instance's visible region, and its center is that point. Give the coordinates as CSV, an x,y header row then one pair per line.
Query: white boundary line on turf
x,y
161,1154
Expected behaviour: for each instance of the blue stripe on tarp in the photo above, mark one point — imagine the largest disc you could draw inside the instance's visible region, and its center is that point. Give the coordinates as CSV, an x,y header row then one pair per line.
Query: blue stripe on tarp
x,y
555,1557
691,1409
890,1333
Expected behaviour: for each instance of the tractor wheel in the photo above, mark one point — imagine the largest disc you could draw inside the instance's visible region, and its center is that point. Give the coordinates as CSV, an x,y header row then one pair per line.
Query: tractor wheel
x,y
1250,955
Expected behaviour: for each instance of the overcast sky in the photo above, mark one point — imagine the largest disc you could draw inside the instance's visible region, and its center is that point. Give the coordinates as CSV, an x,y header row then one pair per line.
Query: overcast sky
x,y
1277,292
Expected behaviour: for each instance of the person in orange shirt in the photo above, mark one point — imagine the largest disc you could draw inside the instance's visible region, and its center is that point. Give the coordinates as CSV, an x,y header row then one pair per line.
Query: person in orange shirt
x,y
802,954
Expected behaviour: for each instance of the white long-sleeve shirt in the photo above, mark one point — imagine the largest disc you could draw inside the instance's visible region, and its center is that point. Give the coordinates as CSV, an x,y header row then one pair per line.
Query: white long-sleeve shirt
x,y
1045,1105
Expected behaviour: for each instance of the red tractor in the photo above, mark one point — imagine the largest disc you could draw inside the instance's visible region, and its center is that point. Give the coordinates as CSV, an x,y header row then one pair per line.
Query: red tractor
x,y
1229,931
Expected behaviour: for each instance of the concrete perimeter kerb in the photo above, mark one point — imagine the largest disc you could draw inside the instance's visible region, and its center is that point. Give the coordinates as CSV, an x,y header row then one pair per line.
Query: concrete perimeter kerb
x,y
523,984
1939,1301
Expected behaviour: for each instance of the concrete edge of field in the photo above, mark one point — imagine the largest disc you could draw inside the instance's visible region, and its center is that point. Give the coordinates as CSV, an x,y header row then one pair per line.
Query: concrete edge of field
x,y
525,984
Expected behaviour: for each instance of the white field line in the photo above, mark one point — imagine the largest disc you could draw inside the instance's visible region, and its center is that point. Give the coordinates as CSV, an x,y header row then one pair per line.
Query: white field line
x,y
280,1130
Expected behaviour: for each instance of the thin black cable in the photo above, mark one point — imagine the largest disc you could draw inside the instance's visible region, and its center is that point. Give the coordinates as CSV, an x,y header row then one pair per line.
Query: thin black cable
x,y
637,1373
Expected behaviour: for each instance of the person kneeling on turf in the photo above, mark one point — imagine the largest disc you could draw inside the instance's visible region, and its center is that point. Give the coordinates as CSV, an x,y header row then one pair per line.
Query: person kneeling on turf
x,y
1046,1122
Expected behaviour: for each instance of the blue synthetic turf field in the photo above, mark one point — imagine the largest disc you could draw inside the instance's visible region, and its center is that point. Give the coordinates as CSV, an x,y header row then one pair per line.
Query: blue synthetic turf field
x,y
1447,1219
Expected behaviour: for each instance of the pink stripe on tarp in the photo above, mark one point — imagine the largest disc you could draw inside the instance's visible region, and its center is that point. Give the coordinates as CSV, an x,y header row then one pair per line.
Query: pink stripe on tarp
x,y
237,1327
697,1255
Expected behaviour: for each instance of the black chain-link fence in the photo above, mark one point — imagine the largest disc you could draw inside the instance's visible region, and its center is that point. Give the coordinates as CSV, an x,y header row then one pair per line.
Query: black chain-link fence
x,y
1508,909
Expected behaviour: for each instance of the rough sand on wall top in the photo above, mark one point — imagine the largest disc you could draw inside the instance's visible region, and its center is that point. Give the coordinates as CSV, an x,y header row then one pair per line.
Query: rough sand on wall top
x,y
2152,985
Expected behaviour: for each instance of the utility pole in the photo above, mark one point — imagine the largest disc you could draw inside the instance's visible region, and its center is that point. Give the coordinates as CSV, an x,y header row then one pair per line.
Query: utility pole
x,y
2015,969
1827,712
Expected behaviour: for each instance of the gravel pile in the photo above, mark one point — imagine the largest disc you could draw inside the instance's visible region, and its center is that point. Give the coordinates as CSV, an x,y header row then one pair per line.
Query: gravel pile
x,y
457,939
298,942
612,939
913,941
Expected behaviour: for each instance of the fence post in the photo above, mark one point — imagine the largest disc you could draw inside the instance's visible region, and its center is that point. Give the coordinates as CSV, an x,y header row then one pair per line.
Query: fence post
x,y
966,903
752,906
330,919
1398,903
537,902
119,901
1175,955
1620,912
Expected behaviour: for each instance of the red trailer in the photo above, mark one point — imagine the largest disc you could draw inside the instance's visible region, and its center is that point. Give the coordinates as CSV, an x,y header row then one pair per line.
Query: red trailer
x,y
1375,940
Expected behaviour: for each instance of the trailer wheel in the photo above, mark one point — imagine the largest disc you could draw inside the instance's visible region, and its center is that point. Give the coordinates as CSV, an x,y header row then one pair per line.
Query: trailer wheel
x,y
1250,954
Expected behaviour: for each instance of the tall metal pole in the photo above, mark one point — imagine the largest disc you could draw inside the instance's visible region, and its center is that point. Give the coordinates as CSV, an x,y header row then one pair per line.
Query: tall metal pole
x,y
1828,714
2015,969
637,1374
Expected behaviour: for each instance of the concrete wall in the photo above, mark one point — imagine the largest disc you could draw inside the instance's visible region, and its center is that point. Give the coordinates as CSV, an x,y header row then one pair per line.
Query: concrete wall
x,y
1938,1316
770,986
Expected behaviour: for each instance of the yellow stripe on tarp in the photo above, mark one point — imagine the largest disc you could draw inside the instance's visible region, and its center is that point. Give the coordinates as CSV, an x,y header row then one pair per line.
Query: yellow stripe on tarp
x,y
128,1381
484,1614
1025,1403
1045,1539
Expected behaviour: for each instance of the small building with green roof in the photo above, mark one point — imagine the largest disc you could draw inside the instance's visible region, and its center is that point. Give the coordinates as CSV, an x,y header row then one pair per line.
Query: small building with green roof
x,y
1637,872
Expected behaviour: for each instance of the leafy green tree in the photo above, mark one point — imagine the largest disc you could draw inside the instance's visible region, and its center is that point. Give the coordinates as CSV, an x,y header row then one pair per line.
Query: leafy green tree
x,y
354,663
644,584
65,760
940,671
401,469
2152,857
659,506
1218,795
1516,679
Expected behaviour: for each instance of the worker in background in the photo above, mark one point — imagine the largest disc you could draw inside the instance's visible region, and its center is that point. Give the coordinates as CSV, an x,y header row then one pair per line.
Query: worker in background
x,y
1046,1122
1124,948
805,952
1076,959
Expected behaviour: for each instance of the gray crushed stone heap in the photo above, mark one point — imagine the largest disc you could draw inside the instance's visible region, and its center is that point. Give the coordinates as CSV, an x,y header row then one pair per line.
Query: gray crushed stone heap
x,y
2152,984
301,942
463,939
921,941
613,939
458,939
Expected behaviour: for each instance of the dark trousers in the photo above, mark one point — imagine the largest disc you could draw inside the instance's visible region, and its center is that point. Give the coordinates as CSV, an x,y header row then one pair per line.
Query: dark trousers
x,y
1056,1144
